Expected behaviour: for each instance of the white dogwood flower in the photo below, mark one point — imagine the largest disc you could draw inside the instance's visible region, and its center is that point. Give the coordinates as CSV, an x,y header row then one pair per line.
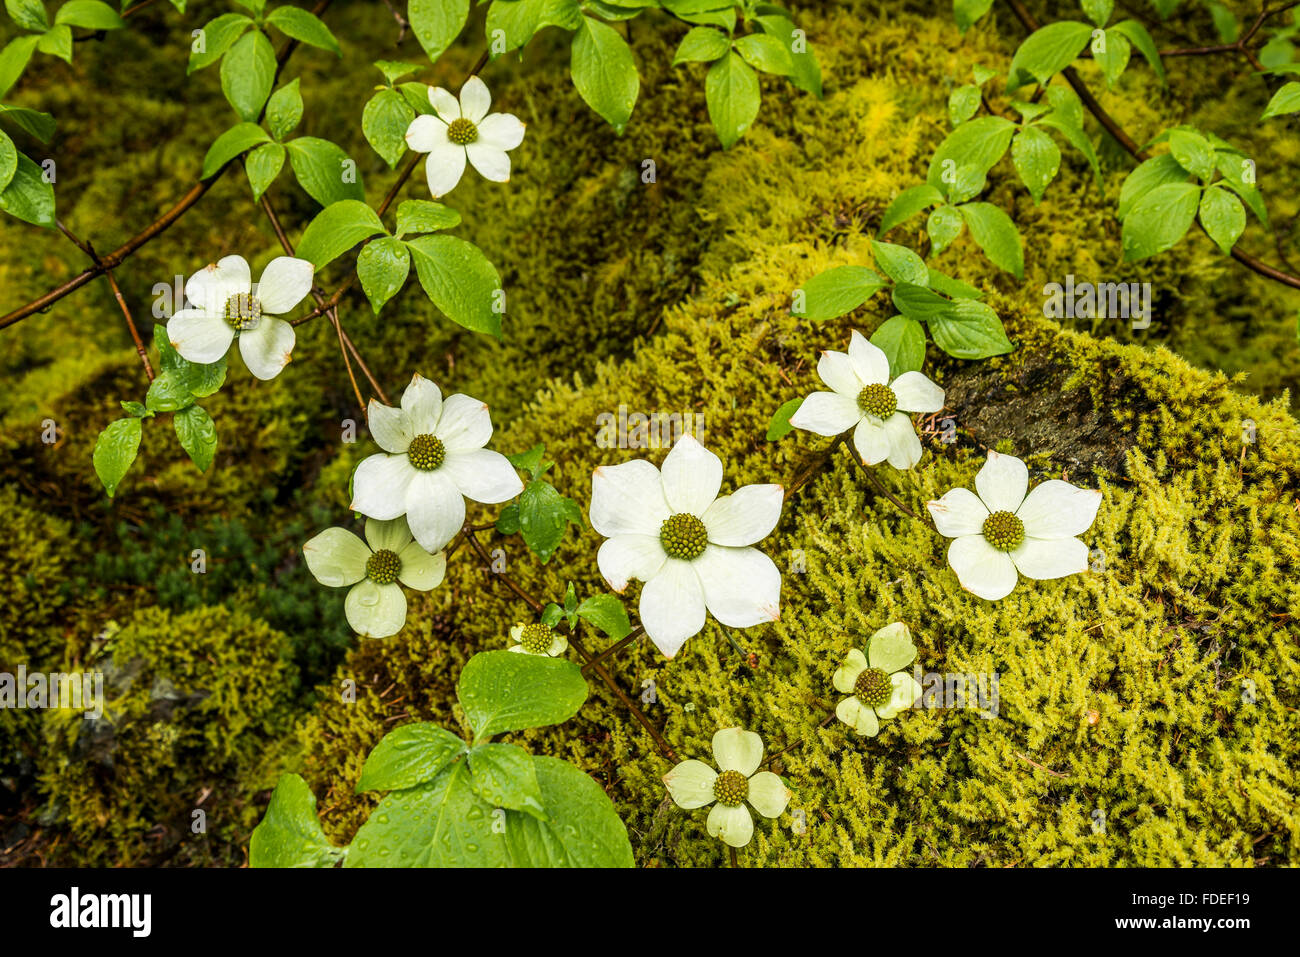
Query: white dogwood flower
x,y
691,548
864,398
225,305
878,686
537,638
375,606
693,784
464,130
433,460
1002,531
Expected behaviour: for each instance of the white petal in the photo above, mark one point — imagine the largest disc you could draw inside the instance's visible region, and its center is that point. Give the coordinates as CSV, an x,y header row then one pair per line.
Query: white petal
x,y
199,336
375,611
379,485
891,649
625,557
502,130
1002,482
445,103
1042,558
627,499
826,413
906,691
672,606
435,509
391,534
1057,509
734,825
846,675
869,361
981,568
744,517
871,440
959,512
768,794
858,716
916,393
444,168
210,287
483,475
422,403
742,587
426,133
420,570
690,784
904,446
492,163
836,370
336,557
389,427
475,100
558,644
692,476
735,749
465,423
285,282
267,347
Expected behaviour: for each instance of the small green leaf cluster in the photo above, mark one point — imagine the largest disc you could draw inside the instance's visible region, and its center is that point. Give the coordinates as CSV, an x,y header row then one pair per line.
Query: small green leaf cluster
x,y
541,514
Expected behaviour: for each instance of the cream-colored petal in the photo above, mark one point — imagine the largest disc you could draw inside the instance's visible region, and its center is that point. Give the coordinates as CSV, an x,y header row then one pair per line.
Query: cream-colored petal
x,y
734,825
1002,482
420,570
336,557
890,649
690,784
906,691
846,675
858,716
391,534
768,794
736,749
869,361
375,611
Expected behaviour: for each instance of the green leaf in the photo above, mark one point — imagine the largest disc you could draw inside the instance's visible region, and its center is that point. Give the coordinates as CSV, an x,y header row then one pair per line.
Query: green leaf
x,y
1138,36
607,613
732,93
382,267
247,72
8,160
1223,217
263,165
168,393
1193,153
970,330
326,172
544,514
216,37
115,450
604,72
1159,219
408,756
1079,140
1239,175
336,229
38,124
304,26
961,163
1046,52
57,42
780,425
185,380
503,775
943,225
91,14
28,196
902,340
907,204
995,233
290,834
13,60
238,139
899,263
384,122
1149,174
437,23
966,12
197,434
135,409
519,20
952,287
835,292
1098,11
28,14
918,302
1112,54
1037,159
284,109
531,461
807,73
766,53
581,828
423,216
1285,100
508,523
459,280
702,45
394,70
963,103
502,691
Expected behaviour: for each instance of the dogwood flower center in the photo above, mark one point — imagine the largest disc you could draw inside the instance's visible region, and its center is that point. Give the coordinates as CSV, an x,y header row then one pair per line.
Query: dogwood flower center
x,y
1004,531
426,452
878,400
683,536
536,638
731,788
383,567
462,132
243,311
873,687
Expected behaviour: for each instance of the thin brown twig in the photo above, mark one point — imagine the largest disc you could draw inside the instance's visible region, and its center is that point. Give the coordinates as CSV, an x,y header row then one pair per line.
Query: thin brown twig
x,y
877,484
615,648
